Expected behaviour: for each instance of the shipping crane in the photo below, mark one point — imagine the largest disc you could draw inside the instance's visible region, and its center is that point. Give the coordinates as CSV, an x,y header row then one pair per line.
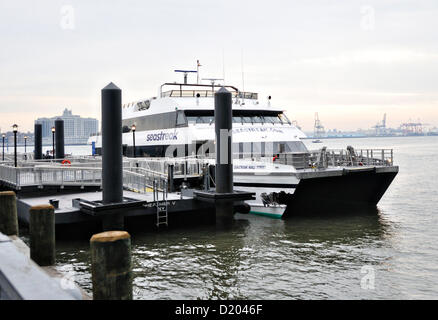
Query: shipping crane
x,y
381,127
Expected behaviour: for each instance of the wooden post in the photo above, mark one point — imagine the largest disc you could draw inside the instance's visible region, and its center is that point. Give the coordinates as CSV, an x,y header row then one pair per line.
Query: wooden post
x,y
42,234
8,213
111,265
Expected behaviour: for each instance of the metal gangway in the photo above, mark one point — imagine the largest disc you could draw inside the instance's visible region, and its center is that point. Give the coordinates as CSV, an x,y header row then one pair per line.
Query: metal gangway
x,y
183,167
139,174
74,171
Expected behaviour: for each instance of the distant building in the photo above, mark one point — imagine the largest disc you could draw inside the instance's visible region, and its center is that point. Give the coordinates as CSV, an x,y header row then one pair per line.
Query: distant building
x,y
77,130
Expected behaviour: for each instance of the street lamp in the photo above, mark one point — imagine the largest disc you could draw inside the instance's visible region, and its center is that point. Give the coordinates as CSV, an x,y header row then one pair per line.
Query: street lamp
x,y
25,149
133,137
15,129
53,142
3,154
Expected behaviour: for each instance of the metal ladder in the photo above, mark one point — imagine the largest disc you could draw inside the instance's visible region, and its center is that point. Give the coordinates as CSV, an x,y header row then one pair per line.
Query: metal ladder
x,y
162,213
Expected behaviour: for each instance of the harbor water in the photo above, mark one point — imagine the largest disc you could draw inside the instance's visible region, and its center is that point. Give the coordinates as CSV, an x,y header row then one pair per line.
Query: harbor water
x,y
390,253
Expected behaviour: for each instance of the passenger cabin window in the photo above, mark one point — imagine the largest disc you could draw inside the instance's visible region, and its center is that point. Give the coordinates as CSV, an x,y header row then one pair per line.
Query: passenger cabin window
x,y
180,119
268,148
283,118
243,119
157,121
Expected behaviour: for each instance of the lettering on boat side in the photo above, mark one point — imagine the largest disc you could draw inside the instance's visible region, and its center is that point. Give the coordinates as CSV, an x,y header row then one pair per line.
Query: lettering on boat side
x,y
161,203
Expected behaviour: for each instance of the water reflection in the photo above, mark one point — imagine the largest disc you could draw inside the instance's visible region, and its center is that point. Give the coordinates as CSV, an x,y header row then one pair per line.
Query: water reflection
x,y
258,258
203,263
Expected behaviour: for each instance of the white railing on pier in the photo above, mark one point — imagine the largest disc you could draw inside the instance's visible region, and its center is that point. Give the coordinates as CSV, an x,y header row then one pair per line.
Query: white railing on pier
x,y
137,179
47,175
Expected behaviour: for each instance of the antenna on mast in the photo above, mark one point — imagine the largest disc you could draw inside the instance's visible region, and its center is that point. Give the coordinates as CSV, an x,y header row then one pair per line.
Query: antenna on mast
x,y
197,70
223,64
185,73
243,78
212,80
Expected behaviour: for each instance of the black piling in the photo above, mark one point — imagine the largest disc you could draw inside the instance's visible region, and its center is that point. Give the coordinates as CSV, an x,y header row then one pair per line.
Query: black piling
x,y
224,165
170,174
38,137
59,138
223,125
112,165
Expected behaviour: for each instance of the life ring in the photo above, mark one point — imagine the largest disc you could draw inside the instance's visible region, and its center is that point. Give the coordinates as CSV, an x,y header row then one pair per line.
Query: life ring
x,y
274,158
66,162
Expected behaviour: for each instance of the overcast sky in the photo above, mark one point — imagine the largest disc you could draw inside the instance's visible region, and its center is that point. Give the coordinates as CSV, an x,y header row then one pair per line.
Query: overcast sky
x,y
351,61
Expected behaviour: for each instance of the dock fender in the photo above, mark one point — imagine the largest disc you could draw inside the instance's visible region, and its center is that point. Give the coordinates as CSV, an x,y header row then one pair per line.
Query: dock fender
x,y
242,207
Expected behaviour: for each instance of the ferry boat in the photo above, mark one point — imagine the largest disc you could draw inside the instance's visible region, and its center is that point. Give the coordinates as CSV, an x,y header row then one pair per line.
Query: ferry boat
x,y
269,157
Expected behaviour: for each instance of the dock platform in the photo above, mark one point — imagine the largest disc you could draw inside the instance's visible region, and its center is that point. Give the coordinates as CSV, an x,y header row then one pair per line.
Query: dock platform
x,y
181,209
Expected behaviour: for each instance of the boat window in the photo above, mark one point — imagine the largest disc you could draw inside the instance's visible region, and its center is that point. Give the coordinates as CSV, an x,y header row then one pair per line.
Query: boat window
x,y
271,119
258,119
237,119
246,95
268,148
209,120
281,147
180,119
155,121
192,119
283,118
240,151
207,116
295,146
203,119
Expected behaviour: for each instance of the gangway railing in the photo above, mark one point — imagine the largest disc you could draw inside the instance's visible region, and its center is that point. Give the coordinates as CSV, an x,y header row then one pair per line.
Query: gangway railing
x,y
182,166
140,179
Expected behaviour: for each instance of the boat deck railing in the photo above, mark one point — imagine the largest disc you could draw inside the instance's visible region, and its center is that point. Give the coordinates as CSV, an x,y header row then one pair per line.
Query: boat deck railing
x,y
349,157
207,94
352,157
325,158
